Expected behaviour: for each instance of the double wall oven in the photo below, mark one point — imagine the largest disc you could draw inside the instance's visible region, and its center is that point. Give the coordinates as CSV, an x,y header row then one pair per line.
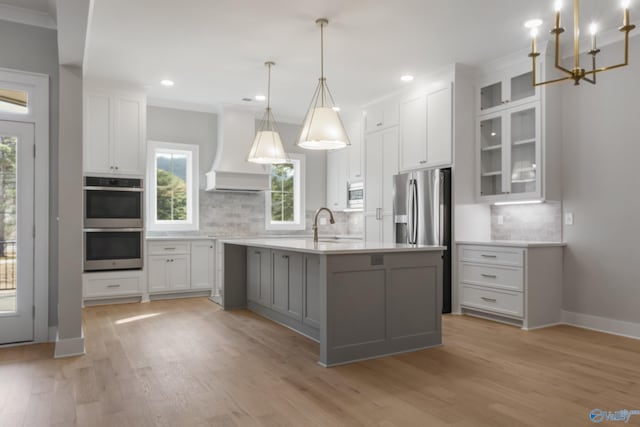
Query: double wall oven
x,y
113,223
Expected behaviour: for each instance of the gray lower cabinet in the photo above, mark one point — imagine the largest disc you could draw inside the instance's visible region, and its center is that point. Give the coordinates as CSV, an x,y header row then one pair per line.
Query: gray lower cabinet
x,y
287,283
285,287
259,276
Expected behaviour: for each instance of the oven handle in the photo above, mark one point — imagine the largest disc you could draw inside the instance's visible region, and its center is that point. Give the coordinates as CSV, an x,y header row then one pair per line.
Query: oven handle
x,y
130,189
113,230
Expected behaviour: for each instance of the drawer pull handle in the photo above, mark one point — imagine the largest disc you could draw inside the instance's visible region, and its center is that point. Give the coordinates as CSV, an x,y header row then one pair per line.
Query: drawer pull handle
x,y
489,299
379,124
488,256
285,256
169,249
490,276
113,286
422,162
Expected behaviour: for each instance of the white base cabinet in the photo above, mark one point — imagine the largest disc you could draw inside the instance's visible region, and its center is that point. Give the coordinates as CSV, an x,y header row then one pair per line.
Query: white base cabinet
x,y
517,285
112,285
175,266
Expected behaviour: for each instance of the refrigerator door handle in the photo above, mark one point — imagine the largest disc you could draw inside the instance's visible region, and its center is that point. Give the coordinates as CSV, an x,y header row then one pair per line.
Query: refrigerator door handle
x,y
410,213
415,213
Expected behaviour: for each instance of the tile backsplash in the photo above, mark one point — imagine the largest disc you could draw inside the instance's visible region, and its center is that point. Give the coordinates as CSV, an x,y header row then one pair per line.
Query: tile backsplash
x,y
243,214
540,222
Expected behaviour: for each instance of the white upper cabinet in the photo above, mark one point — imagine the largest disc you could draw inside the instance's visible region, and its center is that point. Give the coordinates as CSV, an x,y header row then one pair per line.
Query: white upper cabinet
x,y
355,152
509,154
114,128
426,129
506,88
337,179
381,116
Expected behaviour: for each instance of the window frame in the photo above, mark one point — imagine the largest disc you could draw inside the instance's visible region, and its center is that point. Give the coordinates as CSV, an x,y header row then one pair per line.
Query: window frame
x,y
193,185
299,202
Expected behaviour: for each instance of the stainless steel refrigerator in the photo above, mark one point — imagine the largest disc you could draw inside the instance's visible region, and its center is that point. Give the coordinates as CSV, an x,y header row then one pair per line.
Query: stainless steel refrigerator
x,y
422,216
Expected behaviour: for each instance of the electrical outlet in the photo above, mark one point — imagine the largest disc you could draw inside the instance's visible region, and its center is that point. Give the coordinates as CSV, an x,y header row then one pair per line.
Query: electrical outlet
x,y
323,221
568,218
500,219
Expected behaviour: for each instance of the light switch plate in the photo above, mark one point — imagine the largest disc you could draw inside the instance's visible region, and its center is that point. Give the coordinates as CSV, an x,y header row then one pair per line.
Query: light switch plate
x,y
568,218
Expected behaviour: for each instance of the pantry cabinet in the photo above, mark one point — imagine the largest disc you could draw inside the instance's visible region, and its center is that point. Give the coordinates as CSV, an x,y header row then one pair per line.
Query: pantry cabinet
x,y
426,129
114,132
381,160
337,173
381,116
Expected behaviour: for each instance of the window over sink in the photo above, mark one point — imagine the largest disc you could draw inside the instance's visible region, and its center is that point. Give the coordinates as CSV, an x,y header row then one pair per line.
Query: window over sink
x,y
284,207
172,186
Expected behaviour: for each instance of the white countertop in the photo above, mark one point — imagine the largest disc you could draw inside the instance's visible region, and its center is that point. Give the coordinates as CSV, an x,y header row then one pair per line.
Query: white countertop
x,y
512,243
179,237
329,246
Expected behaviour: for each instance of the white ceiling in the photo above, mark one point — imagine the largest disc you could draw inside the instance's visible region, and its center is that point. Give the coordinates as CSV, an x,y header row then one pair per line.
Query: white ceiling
x,y
214,50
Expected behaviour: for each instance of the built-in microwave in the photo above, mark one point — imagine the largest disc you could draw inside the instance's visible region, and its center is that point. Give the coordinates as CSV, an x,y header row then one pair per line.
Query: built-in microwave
x,y
113,202
355,196
113,249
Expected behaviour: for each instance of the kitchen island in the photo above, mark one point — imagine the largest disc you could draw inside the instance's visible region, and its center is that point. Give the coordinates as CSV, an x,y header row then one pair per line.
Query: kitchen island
x,y
358,300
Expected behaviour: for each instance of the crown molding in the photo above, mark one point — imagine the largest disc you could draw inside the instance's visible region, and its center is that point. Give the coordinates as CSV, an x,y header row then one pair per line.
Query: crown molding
x,y
27,16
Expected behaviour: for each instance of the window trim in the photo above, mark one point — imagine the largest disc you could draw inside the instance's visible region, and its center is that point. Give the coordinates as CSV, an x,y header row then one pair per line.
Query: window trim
x,y
193,204
299,195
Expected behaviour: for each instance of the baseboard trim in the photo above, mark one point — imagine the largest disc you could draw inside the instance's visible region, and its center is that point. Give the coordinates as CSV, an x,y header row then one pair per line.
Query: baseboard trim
x,y
602,324
69,347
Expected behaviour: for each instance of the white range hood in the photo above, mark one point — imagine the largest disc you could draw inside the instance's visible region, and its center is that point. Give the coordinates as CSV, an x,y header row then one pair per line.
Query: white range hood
x,y
231,171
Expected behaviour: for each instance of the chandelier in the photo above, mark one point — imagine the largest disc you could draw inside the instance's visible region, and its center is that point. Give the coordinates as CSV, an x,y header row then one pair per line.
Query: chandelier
x,y
577,73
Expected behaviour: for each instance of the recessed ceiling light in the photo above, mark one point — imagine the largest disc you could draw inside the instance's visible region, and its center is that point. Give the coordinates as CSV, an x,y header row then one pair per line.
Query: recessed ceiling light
x,y
167,83
533,23
407,78
335,108
260,97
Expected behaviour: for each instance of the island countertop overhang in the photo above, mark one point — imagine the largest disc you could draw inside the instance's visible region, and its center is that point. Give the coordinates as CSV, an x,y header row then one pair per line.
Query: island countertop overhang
x,y
326,247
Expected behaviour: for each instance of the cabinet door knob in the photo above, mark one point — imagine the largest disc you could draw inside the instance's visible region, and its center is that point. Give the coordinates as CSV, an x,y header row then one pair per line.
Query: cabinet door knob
x,y
379,124
285,256
116,168
422,162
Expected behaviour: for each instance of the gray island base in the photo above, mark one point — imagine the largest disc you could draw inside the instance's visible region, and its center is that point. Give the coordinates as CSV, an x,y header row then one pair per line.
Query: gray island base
x,y
358,300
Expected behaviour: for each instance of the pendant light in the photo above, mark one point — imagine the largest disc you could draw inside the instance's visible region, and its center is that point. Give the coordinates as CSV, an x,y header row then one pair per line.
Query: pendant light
x,y
322,128
267,145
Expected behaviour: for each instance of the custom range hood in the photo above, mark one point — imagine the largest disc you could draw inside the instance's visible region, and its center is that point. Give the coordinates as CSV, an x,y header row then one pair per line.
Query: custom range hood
x,y
231,171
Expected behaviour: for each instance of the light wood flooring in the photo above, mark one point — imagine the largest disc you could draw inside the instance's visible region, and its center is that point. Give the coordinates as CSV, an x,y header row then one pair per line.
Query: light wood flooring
x,y
188,363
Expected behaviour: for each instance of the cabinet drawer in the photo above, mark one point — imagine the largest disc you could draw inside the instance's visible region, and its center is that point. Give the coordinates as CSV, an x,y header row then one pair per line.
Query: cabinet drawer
x,y
492,275
497,301
492,255
164,248
111,287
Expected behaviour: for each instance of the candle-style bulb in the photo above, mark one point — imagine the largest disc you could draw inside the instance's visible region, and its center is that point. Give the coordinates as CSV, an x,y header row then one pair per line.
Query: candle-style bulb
x,y
625,4
593,28
534,32
557,6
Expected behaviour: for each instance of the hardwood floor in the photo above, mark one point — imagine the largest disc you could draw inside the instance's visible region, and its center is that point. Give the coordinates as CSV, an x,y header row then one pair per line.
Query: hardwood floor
x,y
188,363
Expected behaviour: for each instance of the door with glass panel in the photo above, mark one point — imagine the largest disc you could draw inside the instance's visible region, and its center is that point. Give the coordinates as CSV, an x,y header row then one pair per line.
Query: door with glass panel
x,y
491,155
16,231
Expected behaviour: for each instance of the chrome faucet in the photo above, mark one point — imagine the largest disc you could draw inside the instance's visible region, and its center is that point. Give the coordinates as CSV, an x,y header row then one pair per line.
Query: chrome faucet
x,y
315,222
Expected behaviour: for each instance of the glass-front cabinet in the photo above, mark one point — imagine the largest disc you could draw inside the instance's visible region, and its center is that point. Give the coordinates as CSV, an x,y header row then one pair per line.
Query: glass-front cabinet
x,y
506,90
509,154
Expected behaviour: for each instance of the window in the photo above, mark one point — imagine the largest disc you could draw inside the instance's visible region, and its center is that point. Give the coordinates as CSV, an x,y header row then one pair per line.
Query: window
x,y
285,199
172,195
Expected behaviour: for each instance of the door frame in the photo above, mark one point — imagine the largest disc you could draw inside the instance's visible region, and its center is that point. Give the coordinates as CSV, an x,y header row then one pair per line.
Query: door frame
x,y
37,86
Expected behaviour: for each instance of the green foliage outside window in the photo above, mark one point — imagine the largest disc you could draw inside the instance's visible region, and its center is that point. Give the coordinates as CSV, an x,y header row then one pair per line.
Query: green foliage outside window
x,y
282,193
171,187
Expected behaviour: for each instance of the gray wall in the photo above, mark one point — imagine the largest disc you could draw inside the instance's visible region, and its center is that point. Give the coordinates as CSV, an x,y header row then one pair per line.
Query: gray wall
x,y
189,127
35,49
600,186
